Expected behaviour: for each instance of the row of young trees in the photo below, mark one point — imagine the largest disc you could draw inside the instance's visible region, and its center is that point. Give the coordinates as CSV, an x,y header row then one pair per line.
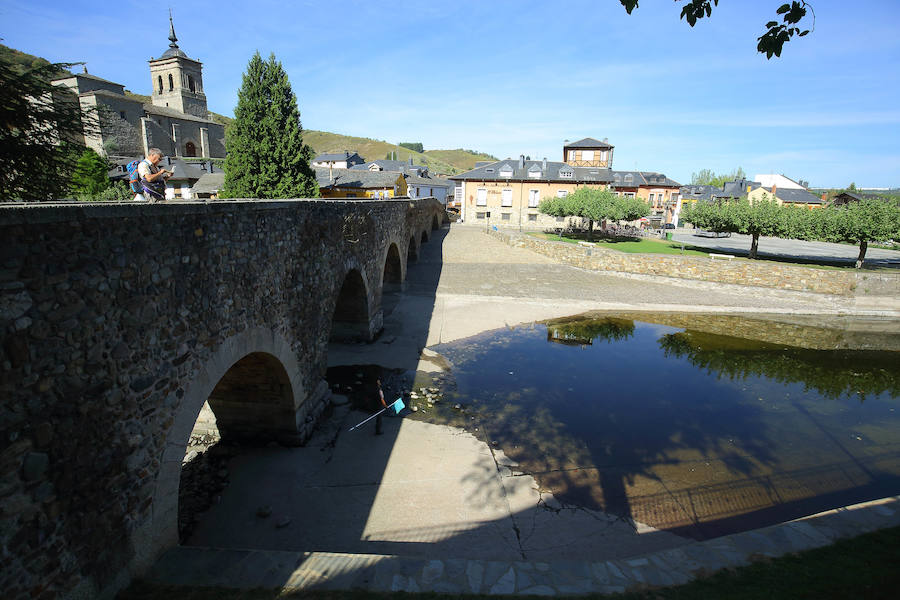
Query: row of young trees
x,y
595,205
870,220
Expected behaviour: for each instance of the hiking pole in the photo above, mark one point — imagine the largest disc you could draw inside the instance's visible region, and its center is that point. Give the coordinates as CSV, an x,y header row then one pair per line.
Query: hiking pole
x,y
397,405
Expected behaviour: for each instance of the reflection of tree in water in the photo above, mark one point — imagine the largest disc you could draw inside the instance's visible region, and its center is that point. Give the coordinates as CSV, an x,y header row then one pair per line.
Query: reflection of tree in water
x,y
583,332
831,373
597,427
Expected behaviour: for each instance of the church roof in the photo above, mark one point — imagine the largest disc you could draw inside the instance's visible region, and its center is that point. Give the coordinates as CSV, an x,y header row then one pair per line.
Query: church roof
x,y
165,111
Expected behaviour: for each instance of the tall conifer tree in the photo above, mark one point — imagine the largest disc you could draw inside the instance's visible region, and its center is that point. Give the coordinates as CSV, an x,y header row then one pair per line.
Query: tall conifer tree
x,y
266,154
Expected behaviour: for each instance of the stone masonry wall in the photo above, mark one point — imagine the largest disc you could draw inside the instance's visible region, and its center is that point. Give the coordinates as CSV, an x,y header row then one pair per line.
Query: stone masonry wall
x,y
741,272
116,322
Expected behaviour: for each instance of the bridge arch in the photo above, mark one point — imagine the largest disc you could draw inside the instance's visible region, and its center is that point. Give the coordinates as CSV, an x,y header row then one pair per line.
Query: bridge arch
x,y
351,319
412,252
424,236
392,274
435,222
276,367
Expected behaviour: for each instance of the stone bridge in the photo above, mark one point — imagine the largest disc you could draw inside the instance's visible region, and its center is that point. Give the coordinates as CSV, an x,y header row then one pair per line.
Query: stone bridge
x,y
120,321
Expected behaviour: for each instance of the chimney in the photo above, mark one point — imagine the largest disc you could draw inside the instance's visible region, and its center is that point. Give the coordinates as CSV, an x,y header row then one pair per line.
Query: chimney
x,y
521,161
544,166
773,190
823,196
331,172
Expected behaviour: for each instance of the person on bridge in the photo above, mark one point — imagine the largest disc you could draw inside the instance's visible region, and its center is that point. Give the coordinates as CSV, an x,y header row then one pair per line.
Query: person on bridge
x,y
153,178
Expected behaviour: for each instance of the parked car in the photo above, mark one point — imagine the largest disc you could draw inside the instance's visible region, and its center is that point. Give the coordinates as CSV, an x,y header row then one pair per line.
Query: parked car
x,y
713,234
670,226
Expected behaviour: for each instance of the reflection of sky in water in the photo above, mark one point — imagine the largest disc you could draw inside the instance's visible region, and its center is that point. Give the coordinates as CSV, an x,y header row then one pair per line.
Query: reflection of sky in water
x,y
630,406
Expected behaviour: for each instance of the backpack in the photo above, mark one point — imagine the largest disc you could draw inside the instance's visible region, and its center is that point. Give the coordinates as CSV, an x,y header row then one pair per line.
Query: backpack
x,y
134,178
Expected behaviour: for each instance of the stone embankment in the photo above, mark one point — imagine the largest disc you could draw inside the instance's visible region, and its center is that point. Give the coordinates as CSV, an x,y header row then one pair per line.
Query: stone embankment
x,y
859,285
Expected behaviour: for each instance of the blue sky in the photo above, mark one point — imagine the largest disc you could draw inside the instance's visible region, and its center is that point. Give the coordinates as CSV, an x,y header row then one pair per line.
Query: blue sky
x,y
512,78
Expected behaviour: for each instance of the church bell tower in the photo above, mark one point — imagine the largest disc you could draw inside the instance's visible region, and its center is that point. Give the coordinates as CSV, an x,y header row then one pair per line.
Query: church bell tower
x,y
178,80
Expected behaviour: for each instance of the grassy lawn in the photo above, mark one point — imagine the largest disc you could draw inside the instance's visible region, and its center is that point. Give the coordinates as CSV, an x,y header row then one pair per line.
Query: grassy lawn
x,y
861,567
631,245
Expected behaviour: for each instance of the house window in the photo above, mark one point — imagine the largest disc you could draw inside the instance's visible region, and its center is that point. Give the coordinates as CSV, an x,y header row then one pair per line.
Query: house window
x,y
534,174
506,171
534,198
481,198
504,216
629,177
159,81
629,194
479,215
571,155
506,197
191,83
532,217
587,155
122,114
652,198
562,193
171,83
566,173
604,155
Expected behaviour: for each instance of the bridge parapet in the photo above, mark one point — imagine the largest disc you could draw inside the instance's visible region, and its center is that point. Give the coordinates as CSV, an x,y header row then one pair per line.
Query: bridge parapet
x,y
120,320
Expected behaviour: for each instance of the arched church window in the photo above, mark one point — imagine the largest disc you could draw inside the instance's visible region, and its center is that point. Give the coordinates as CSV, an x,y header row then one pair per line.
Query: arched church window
x,y
171,83
191,83
159,81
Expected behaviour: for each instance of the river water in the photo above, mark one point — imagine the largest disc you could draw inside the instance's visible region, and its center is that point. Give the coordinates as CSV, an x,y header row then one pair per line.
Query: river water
x,y
696,424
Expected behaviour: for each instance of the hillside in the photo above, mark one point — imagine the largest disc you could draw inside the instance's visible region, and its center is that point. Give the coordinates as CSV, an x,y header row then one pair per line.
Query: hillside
x,y
447,162
462,159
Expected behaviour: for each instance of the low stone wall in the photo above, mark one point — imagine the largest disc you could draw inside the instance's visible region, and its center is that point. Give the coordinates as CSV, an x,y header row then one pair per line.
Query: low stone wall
x,y
739,272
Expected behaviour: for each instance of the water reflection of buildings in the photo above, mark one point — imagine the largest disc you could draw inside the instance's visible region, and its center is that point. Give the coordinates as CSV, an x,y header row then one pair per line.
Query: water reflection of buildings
x,y
579,331
567,338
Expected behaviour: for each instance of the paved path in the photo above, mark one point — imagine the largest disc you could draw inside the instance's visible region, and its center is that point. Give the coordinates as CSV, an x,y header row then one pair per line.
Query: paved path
x,y
430,507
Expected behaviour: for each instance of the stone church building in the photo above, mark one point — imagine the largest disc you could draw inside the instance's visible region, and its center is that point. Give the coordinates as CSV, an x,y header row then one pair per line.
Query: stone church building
x,y
176,119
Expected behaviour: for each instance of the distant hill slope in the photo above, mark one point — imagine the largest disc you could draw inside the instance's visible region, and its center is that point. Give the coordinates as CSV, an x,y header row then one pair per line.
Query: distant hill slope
x,y
447,162
461,159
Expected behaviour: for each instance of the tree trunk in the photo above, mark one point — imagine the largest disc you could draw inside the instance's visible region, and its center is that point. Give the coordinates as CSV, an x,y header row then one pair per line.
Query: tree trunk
x,y
863,245
754,245
590,230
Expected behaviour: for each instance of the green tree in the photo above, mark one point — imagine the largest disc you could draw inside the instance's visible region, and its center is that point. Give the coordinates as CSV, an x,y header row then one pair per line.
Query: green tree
x,y
870,220
772,41
414,146
266,154
91,175
709,177
40,125
763,217
595,205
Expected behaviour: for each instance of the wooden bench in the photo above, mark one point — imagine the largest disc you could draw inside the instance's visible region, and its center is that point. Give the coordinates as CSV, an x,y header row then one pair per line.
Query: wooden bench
x,y
713,256
588,244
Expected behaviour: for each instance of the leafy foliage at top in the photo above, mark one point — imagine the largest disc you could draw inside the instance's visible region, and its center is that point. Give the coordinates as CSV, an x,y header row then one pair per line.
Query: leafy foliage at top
x,y
777,33
266,154
40,129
